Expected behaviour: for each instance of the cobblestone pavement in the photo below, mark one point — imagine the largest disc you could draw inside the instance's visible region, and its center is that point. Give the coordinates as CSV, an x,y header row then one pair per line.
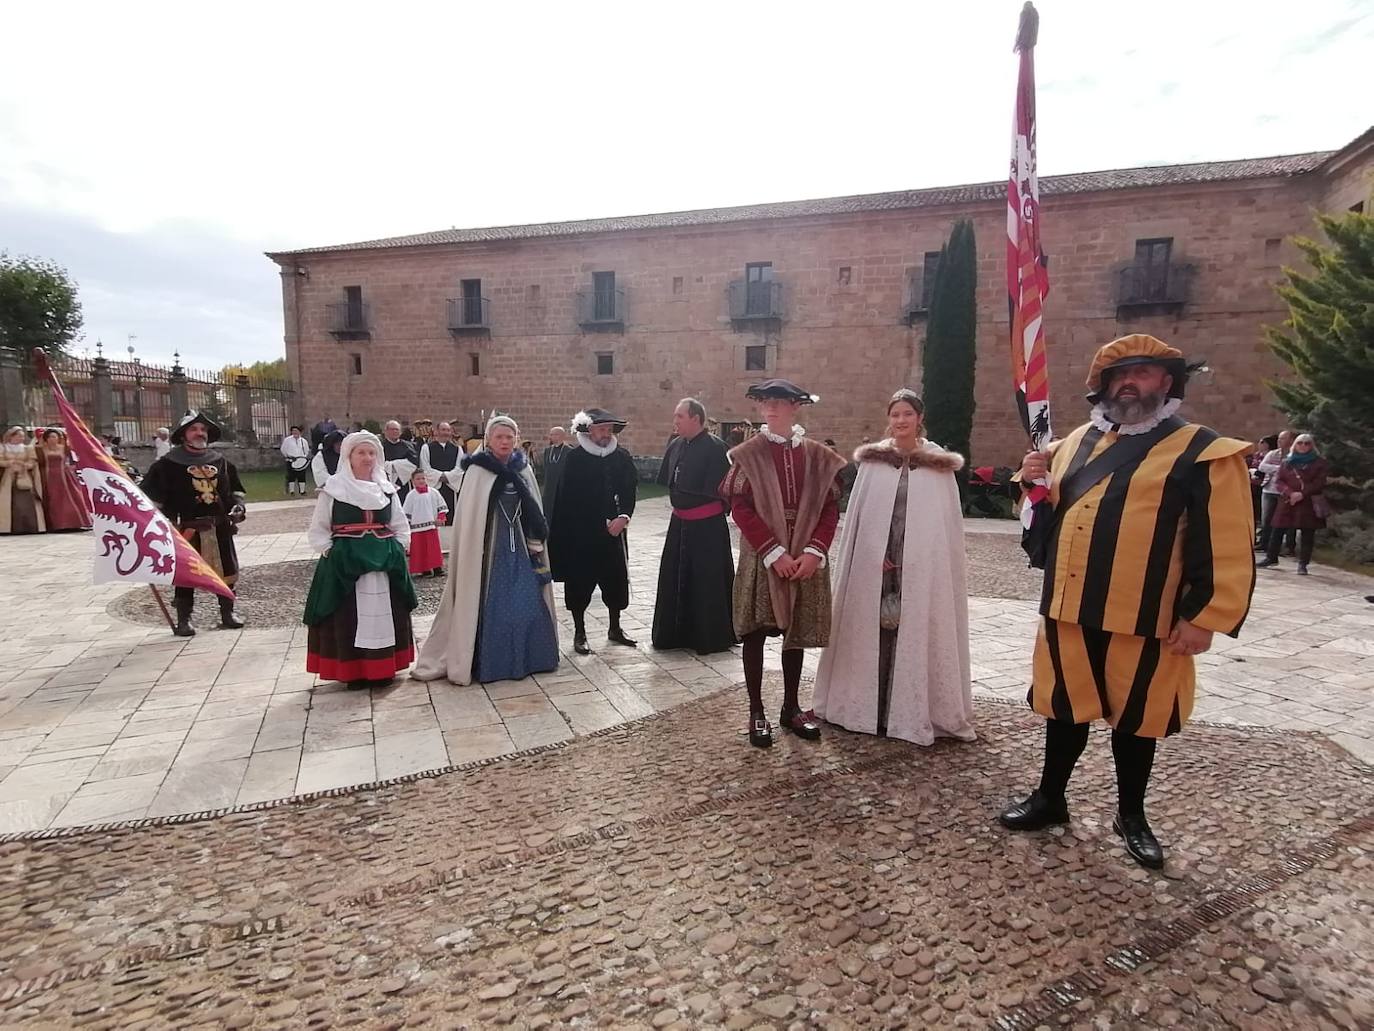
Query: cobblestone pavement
x,y
665,875
102,720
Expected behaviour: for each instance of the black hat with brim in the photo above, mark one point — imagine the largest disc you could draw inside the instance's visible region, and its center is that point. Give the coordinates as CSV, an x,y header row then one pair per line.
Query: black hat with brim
x,y
589,417
780,389
212,430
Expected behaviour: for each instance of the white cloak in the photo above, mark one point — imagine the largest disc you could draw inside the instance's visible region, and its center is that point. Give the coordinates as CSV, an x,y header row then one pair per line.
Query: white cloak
x,y
452,642
931,680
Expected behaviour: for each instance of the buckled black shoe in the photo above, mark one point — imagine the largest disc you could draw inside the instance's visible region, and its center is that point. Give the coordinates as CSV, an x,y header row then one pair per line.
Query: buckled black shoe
x,y
580,644
617,636
1141,843
803,724
760,733
1034,813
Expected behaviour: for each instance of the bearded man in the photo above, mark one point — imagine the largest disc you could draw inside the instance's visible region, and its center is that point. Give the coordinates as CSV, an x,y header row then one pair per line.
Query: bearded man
x,y
200,492
1147,553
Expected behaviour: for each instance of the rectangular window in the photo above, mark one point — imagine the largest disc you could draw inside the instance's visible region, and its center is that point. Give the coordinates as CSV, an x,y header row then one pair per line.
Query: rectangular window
x,y
1271,250
845,273
677,286
475,364
756,358
1152,268
930,266
357,364
353,310
605,363
534,293
758,286
603,296
472,301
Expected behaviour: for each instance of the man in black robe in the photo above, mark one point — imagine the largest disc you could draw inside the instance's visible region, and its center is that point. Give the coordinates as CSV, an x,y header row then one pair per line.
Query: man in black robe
x,y
399,458
696,575
440,455
551,465
200,492
587,541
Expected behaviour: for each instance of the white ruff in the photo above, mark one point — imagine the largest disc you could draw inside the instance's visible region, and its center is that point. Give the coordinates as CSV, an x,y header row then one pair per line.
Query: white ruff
x,y
1167,409
795,440
592,447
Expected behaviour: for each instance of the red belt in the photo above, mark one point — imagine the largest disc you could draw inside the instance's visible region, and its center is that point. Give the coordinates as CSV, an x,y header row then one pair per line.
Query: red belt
x,y
706,511
351,529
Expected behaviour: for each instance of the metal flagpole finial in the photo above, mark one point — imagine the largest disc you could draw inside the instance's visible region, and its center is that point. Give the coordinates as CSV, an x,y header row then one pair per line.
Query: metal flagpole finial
x,y
1029,29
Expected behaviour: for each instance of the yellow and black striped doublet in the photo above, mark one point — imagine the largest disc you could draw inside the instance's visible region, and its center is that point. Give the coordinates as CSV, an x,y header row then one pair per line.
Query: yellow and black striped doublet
x,y
1167,536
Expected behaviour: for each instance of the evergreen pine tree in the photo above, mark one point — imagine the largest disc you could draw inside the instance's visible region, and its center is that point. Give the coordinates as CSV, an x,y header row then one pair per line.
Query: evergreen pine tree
x,y
1328,342
950,352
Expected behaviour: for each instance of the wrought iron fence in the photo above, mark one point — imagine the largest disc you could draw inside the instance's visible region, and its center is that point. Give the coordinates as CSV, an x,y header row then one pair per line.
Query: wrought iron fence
x,y
466,313
755,299
133,399
600,307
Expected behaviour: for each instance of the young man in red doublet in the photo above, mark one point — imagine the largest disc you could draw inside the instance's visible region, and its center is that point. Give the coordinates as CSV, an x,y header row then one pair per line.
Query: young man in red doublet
x,y
784,497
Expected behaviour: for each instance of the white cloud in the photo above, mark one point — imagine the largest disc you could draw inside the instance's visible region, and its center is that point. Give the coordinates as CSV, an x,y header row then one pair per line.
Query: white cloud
x,y
268,126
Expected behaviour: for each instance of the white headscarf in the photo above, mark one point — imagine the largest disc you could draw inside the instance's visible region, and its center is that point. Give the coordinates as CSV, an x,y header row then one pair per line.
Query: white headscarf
x,y
370,495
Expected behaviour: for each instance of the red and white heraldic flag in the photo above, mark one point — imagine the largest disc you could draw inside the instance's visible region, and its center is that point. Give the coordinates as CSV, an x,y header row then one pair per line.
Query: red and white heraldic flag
x,y
134,541
1028,280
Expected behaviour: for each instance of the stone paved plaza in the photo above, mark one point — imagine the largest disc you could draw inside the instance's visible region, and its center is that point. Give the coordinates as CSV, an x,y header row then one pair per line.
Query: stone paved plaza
x,y
635,864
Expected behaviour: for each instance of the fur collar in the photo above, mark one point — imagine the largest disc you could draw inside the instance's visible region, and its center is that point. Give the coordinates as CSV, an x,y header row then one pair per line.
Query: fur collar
x,y
795,441
531,515
593,448
928,455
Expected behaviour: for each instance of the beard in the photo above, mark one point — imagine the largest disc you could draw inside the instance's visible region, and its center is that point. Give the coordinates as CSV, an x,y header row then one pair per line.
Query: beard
x,y
1129,409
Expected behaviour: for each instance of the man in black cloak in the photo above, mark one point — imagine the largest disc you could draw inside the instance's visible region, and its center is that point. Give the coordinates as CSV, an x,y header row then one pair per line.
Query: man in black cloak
x,y
696,575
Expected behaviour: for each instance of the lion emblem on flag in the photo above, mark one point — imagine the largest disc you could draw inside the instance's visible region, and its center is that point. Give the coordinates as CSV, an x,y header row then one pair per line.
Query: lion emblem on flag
x,y
134,535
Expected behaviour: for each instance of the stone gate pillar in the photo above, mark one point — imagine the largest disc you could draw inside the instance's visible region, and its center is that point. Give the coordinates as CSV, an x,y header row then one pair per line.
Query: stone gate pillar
x,y
243,407
176,384
13,411
102,392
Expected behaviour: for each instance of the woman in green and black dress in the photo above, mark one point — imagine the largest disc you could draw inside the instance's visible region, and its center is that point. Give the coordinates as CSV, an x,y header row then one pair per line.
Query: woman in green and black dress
x,y
361,597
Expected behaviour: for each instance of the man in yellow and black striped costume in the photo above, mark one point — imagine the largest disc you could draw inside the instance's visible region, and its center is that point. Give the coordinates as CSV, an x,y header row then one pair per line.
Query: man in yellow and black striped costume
x,y
1148,555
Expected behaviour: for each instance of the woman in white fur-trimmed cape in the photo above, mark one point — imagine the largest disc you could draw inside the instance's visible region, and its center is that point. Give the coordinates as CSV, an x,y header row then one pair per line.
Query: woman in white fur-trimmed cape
x,y
496,620
898,660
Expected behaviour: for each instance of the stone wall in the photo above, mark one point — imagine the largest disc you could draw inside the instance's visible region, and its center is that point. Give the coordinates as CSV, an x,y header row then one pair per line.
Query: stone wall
x,y
844,281
245,458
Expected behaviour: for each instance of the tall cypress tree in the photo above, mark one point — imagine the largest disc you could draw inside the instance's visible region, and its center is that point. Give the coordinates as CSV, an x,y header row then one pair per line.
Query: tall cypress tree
x,y
951,346
1328,342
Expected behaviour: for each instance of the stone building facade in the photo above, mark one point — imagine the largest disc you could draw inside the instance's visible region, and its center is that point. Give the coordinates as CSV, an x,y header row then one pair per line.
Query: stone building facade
x,y
632,313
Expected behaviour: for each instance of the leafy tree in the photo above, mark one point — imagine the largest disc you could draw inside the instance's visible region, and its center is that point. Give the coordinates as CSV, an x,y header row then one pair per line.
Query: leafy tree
x,y
38,307
274,370
951,346
1328,342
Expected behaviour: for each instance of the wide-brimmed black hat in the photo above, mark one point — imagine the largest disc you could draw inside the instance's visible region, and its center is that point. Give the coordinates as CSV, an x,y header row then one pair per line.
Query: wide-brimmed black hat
x,y
784,389
212,430
589,417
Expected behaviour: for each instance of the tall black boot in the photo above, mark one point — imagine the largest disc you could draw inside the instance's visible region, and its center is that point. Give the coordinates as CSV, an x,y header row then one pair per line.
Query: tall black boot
x,y
615,635
580,633
227,619
183,608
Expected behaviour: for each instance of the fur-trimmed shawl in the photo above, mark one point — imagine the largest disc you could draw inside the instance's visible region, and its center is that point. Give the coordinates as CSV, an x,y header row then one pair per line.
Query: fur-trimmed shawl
x,y
928,455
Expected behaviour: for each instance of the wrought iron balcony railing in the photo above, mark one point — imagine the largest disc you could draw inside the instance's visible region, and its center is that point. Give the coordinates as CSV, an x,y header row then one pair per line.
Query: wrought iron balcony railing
x,y
756,299
468,314
601,307
1153,289
347,319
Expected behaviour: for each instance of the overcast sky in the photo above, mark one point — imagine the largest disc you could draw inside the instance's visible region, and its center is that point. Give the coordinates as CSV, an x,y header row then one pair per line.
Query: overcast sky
x,y
157,150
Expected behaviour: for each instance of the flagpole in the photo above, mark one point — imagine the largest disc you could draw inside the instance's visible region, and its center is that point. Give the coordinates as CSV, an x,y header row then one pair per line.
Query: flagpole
x,y
163,606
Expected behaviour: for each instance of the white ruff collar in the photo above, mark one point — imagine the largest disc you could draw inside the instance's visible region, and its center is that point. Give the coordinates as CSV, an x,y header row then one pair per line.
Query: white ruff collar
x,y
592,447
795,440
1166,410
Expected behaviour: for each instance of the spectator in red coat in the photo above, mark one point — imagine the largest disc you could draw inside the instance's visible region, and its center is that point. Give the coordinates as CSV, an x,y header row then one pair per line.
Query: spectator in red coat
x,y
1301,480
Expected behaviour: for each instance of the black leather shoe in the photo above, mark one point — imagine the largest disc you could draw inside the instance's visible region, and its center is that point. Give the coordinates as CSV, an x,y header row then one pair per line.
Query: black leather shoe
x,y
760,733
1141,844
803,724
1035,813
617,636
184,629
1266,563
580,644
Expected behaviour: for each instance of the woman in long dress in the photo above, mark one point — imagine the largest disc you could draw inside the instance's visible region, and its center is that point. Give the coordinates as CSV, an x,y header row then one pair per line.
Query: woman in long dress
x,y
64,503
898,660
496,619
21,497
361,597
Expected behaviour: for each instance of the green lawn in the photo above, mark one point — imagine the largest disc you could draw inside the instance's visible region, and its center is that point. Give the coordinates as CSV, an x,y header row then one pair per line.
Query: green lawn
x,y
269,485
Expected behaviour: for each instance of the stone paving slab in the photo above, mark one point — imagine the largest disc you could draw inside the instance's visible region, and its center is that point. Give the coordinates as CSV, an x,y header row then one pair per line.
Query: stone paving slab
x,y
230,717
664,875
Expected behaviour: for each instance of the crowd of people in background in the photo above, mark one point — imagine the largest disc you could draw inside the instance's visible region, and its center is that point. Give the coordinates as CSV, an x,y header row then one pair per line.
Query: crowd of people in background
x,y
39,490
